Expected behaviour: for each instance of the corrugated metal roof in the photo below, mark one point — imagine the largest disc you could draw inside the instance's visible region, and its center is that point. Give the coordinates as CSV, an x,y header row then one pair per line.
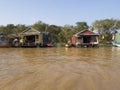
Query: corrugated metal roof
x,y
30,31
81,33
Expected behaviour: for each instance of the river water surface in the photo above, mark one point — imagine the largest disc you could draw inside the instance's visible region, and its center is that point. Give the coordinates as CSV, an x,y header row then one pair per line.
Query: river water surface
x,y
60,68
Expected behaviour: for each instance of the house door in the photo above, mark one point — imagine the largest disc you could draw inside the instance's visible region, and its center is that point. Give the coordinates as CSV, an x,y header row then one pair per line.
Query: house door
x,y
86,39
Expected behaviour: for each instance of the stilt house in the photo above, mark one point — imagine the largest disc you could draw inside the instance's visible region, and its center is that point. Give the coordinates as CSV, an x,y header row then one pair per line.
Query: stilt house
x,y
33,37
85,38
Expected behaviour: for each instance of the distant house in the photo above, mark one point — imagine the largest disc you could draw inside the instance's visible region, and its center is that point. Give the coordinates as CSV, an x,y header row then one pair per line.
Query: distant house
x,y
3,40
7,40
33,37
116,38
85,38
13,40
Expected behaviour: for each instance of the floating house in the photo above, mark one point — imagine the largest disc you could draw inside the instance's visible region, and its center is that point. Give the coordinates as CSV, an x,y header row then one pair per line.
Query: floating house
x,y
33,37
13,40
116,38
7,40
3,40
85,38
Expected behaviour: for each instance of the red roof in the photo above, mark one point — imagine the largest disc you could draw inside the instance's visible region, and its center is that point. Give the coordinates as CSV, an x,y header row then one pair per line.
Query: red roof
x,y
85,32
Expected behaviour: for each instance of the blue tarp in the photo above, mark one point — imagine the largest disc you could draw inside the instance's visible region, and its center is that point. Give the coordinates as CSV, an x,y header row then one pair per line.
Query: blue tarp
x,y
1,33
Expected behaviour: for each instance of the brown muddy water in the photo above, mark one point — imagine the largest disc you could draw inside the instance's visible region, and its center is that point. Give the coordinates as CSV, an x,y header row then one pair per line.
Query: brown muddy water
x,y
60,68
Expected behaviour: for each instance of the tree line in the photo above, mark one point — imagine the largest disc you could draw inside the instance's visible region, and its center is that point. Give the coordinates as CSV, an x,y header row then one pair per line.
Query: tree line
x,y
104,27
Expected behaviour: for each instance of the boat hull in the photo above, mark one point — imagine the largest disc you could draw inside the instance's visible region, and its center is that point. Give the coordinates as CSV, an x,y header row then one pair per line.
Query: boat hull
x,y
116,44
4,45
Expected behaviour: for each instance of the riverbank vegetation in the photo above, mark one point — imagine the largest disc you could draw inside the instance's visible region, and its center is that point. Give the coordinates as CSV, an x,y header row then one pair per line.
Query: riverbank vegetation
x,y
62,34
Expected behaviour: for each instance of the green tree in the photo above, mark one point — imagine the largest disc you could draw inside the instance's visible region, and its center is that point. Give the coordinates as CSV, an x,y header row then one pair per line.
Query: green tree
x,y
19,28
2,29
105,28
9,29
54,31
40,26
81,26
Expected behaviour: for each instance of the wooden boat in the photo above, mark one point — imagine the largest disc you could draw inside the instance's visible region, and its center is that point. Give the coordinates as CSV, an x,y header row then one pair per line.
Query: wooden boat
x,y
4,44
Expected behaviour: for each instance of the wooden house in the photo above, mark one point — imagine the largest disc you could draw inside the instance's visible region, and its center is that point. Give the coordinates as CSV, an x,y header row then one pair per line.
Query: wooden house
x,y
85,38
33,37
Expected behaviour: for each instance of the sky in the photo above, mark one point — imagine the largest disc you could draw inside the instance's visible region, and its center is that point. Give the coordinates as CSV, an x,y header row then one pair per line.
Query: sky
x,y
57,12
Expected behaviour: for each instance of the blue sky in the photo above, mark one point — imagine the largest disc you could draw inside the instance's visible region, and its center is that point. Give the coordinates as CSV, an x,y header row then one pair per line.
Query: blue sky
x,y
58,12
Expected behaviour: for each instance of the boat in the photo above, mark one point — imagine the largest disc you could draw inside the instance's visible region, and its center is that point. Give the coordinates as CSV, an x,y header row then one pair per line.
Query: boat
x,y
4,43
116,44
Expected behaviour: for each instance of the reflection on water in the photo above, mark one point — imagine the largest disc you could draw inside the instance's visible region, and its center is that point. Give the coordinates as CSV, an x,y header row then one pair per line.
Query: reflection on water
x,y
60,68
